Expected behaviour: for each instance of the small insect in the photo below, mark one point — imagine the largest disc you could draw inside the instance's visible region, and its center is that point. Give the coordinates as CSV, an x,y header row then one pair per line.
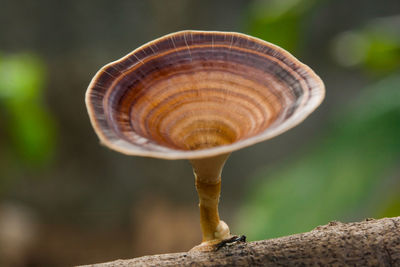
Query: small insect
x,y
233,239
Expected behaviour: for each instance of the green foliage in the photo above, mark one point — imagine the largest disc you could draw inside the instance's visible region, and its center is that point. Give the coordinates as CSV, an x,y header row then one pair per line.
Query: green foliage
x,y
383,54
376,46
336,179
278,21
21,77
25,118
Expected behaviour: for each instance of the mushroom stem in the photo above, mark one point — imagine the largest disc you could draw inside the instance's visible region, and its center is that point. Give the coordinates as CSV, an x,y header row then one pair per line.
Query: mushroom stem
x,y
207,172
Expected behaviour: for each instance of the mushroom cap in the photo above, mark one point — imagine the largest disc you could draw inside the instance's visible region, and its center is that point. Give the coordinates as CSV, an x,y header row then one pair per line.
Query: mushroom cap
x,y
197,94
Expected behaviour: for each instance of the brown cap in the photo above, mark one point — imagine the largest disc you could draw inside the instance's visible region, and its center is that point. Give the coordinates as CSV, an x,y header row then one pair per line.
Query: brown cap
x,y
195,94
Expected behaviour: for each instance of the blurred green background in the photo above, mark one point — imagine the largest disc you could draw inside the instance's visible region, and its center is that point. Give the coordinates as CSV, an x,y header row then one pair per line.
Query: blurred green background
x,y
66,200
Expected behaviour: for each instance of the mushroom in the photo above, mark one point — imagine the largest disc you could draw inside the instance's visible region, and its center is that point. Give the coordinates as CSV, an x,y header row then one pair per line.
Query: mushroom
x,y
199,96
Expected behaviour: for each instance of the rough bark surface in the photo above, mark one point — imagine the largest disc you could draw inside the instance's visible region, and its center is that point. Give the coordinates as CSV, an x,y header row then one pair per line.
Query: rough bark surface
x,y
367,243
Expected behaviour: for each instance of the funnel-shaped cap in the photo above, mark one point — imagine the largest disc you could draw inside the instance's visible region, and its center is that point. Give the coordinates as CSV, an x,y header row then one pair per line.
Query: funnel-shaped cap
x,y
196,94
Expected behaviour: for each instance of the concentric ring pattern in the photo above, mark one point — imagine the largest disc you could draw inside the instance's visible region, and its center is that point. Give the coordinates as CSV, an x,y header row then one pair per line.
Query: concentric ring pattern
x,y
196,94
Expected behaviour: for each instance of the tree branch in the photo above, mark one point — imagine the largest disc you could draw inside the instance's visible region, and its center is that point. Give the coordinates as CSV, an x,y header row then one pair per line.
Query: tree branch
x,y
367,243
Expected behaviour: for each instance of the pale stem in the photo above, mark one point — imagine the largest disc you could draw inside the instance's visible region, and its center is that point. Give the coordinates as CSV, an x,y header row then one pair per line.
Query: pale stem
x,y
207,172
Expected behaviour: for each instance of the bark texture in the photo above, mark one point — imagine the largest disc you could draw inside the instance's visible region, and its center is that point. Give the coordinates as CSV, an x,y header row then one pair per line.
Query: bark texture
x,y
367,243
